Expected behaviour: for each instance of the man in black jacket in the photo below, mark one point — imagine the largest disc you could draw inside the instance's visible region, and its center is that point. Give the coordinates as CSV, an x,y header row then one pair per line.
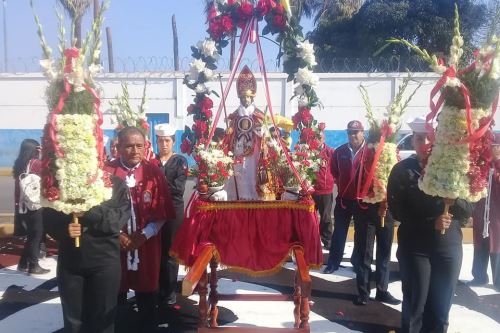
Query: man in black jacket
x,y
88,276
429,262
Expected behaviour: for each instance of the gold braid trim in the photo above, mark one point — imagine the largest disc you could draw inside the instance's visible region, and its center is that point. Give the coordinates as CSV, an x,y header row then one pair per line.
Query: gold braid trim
x,y
224,205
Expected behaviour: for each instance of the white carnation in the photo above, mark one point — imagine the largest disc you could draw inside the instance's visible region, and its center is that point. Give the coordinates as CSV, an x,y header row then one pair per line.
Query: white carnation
x,y
208,48
306,77
307,52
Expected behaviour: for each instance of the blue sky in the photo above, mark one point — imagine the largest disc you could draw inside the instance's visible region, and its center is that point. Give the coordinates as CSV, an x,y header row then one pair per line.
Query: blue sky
x,y
140,28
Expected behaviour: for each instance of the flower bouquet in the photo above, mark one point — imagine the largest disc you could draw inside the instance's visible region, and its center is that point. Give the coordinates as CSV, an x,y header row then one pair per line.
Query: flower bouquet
x,y
213,168
125,116
381,153
458,163
73,180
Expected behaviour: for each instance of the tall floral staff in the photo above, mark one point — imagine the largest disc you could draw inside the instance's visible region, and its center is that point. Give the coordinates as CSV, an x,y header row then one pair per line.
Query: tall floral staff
x,y
457,166
381,153
73,180
126,116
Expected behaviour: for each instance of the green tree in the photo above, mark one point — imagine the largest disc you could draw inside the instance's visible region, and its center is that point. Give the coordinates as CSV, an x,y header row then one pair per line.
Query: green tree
x,y
427,23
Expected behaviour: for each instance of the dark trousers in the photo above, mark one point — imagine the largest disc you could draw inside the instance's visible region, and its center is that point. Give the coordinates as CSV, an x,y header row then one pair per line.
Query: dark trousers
x,y
367,227
429,280
324,203
169,268
147,305
344,211
89,297
480,262
34,227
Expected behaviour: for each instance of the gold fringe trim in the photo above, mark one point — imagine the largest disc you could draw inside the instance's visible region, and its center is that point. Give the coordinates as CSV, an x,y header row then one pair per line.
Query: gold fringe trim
x,y
225,205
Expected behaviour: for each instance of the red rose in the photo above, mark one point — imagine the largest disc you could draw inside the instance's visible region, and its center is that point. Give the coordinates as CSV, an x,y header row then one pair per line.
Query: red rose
x,y
206,103
314,144
321,126
52,193
230,2
214,177
305,116
279,21
207,113
245,10
227,23
279,8
263,7
307,135
186,147
215,29
296,120
200,128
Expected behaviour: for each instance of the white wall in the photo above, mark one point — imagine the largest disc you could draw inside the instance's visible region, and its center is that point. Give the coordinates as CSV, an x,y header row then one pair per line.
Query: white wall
x,y
22,104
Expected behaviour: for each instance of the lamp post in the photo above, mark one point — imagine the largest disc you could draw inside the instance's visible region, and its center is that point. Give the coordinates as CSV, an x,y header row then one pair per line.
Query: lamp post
x,y
5,64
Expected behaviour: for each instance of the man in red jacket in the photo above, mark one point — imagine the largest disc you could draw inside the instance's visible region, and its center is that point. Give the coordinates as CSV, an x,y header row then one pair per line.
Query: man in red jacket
x,y
323,192
140,241
345,166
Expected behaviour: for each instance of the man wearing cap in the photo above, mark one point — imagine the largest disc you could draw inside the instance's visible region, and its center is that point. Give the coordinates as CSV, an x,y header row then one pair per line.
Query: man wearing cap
x,y
345,166
486,227
429,262
244,139
323,191
139,240
175,168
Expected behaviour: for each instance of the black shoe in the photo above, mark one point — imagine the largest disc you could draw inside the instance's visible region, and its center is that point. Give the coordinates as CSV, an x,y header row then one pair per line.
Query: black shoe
x,y
361,300
329,270
22,266
477,283
386,297
37,270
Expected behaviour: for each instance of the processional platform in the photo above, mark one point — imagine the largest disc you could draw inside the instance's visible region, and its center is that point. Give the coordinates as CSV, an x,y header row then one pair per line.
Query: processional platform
x,y
250,237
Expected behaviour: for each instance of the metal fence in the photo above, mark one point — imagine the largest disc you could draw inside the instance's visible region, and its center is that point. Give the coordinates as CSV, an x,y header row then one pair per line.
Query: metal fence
x,y
159,64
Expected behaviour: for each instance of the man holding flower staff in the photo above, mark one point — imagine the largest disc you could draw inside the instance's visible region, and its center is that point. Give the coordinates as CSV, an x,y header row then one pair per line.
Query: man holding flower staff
x,y
151,207
429,262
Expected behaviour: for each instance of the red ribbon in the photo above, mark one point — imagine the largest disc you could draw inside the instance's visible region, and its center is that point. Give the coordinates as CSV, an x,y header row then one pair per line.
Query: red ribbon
x,y
385,131
451,73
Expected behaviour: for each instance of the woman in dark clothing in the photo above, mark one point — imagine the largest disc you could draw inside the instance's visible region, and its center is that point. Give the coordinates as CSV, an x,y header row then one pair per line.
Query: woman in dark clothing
x,y
88,276
28,162
429,262
174,167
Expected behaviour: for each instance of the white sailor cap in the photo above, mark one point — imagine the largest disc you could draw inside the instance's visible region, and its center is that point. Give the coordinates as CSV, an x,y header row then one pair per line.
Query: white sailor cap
x,y
417,124
164,130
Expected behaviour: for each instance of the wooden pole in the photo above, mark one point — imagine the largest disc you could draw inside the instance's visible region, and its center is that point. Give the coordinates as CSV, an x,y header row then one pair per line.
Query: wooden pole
x,y
176,44
111,64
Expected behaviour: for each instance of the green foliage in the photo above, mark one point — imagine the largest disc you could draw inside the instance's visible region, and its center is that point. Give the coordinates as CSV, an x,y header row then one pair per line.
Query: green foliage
x,y
425,23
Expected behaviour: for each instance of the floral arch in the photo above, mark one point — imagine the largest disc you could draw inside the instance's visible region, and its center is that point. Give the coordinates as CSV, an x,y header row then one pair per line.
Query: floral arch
x,y
225,19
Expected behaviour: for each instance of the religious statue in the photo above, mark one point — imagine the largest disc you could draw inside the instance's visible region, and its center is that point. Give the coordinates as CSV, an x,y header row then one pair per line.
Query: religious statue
x,y
251,180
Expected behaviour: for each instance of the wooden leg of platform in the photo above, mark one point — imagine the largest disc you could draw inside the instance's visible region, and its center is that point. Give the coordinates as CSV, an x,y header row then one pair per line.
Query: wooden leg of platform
x,y
214,295
296,300
203,306
305,287
196,271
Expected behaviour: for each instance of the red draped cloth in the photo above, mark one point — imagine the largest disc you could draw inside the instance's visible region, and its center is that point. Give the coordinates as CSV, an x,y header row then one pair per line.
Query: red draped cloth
x,y
250,237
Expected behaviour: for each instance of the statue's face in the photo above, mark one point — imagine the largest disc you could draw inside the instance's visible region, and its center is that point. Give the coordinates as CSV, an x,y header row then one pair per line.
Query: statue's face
x,y
246,101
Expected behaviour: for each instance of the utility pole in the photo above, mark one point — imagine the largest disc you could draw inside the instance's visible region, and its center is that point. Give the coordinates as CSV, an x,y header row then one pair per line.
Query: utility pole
x,y
5,61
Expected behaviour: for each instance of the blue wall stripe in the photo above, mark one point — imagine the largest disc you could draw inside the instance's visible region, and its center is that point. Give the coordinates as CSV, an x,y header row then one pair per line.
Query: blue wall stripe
x,y
10,140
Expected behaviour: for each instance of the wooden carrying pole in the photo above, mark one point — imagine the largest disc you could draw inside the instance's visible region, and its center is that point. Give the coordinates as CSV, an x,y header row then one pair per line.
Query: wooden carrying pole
x,y
176,44
77,239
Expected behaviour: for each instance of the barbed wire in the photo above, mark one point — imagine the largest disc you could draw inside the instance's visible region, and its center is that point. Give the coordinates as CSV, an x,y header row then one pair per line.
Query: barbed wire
x,y
157,64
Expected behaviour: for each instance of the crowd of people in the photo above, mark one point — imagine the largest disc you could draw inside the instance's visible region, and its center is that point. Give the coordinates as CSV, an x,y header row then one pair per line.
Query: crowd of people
x,y
125,241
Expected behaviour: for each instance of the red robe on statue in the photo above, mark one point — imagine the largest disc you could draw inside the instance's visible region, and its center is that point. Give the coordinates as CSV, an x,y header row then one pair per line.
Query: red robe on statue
x,y
152,202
